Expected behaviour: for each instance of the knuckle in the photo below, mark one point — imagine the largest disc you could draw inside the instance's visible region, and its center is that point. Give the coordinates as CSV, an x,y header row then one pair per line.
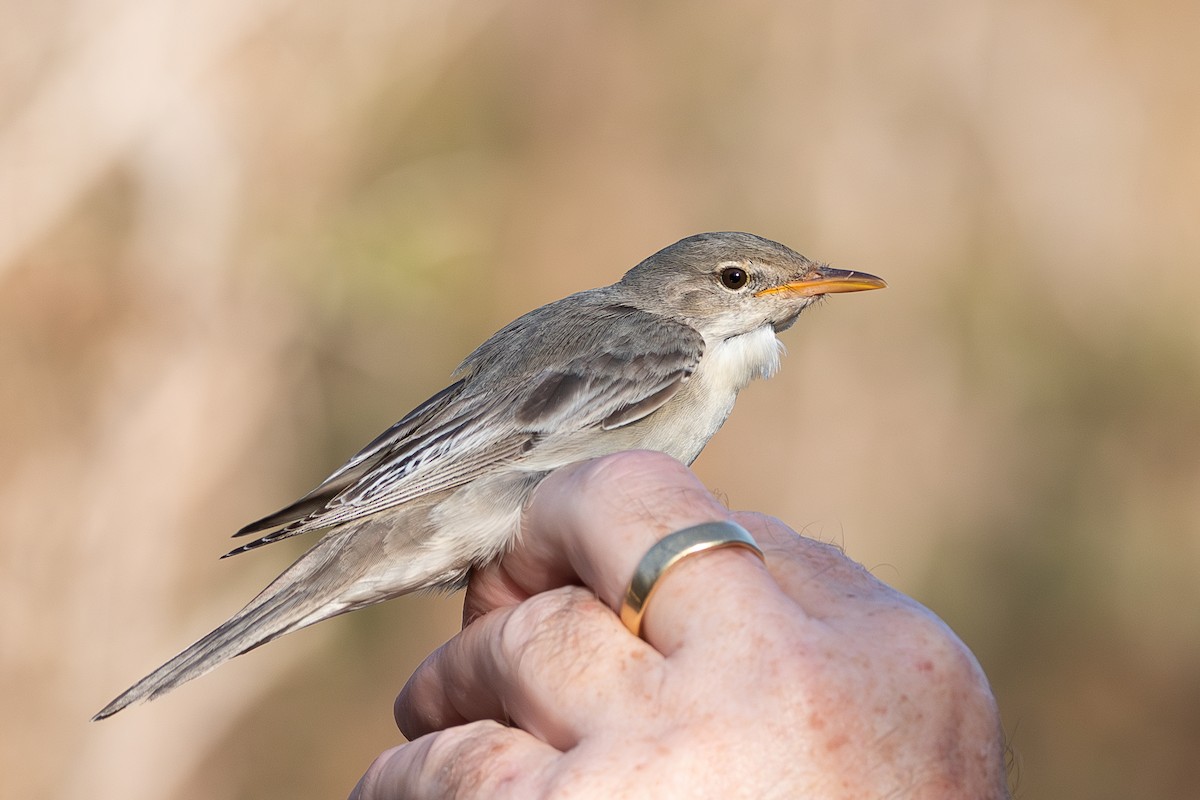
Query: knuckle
x,y
376,781
640,485
941,653
543,620
551,636
620,472
469,760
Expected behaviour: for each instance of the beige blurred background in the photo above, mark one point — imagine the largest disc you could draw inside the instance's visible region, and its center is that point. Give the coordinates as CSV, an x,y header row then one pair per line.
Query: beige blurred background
x,y
239,238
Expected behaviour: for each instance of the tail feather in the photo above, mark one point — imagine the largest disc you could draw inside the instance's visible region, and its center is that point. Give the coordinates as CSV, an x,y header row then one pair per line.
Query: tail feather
x,y
302,595
351,567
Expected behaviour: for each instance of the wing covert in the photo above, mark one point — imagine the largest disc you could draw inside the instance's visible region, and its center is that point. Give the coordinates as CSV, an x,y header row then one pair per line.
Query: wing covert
x,y
587,365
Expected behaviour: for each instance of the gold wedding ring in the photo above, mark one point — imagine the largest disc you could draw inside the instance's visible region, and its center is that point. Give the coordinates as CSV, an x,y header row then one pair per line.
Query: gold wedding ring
x,y
668,552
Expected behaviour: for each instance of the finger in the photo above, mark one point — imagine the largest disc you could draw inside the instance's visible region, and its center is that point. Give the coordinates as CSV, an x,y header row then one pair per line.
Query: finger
x,y
818,576
492,587
596,520
480,760
559,665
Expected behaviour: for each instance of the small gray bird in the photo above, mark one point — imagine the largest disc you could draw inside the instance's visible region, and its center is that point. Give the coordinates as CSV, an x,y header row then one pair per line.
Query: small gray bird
x,y
654,361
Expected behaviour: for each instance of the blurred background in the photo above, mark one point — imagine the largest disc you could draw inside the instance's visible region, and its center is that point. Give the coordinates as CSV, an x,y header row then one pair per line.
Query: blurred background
x,y
238,239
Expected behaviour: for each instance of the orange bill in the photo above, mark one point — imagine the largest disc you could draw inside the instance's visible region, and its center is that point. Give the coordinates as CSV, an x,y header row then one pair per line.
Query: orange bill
x,y
826,280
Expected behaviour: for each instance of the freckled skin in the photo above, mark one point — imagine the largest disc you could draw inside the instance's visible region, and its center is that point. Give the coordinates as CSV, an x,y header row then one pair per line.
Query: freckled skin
x,y
752,681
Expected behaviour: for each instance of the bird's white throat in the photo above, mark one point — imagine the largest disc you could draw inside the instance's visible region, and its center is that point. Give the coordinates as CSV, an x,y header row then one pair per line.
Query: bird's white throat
x,y
736,361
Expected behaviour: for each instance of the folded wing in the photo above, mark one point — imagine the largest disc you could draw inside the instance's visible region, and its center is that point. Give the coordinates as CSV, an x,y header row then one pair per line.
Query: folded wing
x,y
515,389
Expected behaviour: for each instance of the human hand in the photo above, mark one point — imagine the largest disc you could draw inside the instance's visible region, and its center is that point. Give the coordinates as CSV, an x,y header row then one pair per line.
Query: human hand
x,y
804,678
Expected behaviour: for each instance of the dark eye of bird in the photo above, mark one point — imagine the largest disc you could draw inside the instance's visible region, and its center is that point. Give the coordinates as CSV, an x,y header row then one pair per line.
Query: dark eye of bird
x,y
734,277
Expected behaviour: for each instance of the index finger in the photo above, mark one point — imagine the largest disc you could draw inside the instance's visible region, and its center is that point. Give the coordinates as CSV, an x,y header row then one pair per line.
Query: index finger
x,y
592,522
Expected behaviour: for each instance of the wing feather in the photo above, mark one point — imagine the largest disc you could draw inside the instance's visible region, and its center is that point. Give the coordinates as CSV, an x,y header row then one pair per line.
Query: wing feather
x,y
610,365
357,467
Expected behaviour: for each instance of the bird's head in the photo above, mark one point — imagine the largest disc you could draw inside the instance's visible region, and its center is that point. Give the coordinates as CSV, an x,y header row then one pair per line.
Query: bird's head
x,y
726,284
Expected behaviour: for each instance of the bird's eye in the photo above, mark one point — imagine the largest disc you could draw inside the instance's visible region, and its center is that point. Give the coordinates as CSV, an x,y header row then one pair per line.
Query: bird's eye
x,y
734,277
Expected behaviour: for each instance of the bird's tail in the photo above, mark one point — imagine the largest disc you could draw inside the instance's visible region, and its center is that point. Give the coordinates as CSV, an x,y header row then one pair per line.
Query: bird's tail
x,y
306,592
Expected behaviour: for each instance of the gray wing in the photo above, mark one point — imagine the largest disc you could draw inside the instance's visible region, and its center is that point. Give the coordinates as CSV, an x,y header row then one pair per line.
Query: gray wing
x,y
353,470
566,366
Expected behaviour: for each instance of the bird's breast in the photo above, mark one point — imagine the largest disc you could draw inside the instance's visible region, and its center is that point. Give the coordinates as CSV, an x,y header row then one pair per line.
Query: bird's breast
x,y
685,424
